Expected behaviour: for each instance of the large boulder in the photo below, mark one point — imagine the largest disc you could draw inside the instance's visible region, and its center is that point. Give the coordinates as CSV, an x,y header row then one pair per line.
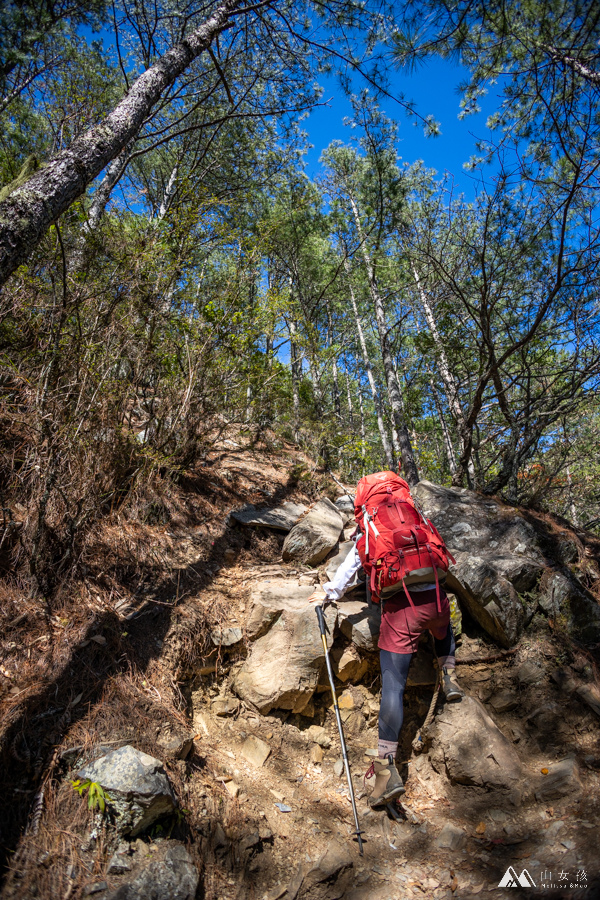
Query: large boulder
x,y
315,535
164,872
283,667
137,785
281,518
561,593
502,575
269,598
469,748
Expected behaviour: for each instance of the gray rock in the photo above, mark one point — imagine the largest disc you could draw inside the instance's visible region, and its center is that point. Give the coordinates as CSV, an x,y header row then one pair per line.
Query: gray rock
x,y
319,735
338,767
315,535
345,504
176,745
562,594
119,863
255,751
282,518
250,841
360,623
469,748
226,637
95,888
562,779
504,701
167,873
451,837
225,706
501,571
590,694
347,664
269,598
484,587
283,668
529,672
137,785
329,879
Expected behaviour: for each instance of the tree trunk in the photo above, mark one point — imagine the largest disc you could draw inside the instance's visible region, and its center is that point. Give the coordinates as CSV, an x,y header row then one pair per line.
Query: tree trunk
x,y
450,386
385,441
168,194
571,501
445,432
363,435
337,406
349,395
408,459
98,205
28,213
296,367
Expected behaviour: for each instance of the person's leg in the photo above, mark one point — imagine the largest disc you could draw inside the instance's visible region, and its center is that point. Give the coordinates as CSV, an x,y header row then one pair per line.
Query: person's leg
x,y
445,649
394,672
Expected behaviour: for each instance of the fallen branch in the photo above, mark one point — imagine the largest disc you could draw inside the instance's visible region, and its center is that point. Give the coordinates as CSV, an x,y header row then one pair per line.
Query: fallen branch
x,y
493,657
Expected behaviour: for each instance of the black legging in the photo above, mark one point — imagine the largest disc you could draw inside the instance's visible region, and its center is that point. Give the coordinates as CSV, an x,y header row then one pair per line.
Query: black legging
x,y
394,672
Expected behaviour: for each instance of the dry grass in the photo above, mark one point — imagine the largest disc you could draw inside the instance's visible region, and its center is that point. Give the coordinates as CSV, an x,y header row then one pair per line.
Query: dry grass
x,y
103,658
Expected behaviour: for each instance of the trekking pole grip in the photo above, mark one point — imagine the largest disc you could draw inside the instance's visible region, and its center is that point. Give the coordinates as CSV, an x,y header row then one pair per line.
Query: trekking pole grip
x,y
321,618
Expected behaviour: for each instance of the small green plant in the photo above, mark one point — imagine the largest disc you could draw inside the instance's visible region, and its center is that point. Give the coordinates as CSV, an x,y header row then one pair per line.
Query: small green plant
x,y
96,795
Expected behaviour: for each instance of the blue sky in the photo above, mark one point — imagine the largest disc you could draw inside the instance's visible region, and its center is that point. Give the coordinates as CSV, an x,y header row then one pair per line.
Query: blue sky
x,y
433,87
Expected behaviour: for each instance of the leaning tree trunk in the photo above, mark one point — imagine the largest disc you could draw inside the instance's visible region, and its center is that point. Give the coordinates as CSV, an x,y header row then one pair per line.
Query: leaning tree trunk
x,y
28,213
385,441
408,459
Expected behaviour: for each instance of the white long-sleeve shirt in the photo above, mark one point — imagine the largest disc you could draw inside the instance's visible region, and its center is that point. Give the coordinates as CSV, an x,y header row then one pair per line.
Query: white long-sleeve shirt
x,y
343,578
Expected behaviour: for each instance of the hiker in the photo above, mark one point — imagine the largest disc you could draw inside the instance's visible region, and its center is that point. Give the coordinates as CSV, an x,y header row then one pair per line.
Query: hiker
x,y
407,610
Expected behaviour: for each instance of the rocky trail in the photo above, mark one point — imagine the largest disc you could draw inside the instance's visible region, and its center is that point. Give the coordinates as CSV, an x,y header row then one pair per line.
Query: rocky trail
x,y
194,693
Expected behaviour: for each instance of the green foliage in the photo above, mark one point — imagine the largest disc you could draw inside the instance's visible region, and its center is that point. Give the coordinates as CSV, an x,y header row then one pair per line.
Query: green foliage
x,y
97,797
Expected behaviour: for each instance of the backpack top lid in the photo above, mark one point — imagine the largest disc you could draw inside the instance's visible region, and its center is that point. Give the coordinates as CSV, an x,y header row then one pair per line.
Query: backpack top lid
x,y
377,483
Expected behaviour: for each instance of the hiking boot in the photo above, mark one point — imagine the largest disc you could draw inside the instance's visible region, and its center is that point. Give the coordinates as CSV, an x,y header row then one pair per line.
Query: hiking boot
x,y
451,688
388,783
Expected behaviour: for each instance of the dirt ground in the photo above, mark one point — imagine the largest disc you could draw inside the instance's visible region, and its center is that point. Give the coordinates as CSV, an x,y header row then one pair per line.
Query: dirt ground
x,y
126,656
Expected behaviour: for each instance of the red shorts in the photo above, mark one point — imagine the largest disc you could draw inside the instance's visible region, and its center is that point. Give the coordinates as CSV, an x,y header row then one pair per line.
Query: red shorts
x,y
402,624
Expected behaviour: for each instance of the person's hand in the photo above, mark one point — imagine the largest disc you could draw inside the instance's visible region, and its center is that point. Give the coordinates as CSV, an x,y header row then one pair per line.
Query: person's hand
x,y
320,596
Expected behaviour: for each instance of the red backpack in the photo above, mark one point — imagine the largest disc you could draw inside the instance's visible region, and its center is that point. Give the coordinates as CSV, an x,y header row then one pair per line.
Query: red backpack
x,y
398,546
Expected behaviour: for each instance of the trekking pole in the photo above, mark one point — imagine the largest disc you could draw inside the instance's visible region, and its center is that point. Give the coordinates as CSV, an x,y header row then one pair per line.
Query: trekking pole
x,y
321,619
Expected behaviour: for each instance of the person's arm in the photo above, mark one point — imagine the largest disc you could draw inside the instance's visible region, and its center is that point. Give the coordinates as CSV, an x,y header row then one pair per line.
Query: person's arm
x,y
338,585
